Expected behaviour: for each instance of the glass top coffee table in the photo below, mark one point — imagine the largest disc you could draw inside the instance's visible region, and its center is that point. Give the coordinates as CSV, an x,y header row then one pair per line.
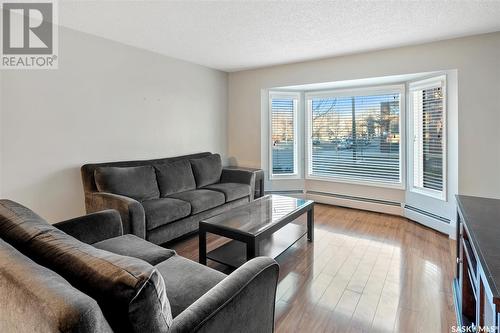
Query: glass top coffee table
x,y
260,228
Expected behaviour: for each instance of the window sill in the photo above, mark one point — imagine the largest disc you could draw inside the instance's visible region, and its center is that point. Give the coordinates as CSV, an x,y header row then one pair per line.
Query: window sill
x,y
285,177
430,193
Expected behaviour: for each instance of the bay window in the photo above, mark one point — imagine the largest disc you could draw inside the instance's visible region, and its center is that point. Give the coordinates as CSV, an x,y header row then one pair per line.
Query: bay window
x,y
358,135
332,140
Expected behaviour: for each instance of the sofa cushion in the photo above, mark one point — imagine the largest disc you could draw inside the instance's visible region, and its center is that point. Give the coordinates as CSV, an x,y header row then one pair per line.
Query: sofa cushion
x,y
175,177
232,191
129,291
36,299
133,246
183,292
201,199
207,170
138,182
164,210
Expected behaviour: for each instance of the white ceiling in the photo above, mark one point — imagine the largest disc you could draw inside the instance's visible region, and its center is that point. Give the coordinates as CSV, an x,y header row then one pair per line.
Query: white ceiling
x,y
237,35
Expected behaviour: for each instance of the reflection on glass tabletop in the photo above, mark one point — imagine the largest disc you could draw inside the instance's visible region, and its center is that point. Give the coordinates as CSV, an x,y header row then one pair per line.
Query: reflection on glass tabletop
x,y
260,214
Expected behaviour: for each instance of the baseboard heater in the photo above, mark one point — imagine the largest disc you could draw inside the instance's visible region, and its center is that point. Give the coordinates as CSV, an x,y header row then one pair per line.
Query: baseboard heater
x,y
285,192
350,197
426,213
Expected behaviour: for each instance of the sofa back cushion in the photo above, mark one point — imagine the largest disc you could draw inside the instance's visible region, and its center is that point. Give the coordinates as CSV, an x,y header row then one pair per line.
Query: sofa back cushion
x,y
130,292
175,177
36,299
135,182
87,170
207,170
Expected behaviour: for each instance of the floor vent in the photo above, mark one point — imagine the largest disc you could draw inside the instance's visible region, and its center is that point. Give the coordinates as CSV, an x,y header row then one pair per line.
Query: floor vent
x,y
350,197
426,213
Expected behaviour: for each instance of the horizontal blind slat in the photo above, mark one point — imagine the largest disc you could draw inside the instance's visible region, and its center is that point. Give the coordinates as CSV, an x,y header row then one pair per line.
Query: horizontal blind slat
x,y
282,135
356,137
429,131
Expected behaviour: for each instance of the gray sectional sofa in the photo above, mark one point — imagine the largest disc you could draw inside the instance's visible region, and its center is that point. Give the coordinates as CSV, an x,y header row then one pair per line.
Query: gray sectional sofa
x,y
162,199
84,275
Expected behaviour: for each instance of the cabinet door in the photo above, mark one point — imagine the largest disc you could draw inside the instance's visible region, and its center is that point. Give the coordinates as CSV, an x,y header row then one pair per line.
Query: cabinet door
x,y
487,313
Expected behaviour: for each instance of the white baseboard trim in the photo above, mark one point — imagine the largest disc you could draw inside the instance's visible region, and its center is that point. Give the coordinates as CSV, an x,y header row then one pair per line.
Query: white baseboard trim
x,y
391,208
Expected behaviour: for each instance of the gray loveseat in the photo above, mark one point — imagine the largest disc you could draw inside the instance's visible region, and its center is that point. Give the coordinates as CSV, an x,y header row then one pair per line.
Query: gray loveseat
x,y
162,199
83,275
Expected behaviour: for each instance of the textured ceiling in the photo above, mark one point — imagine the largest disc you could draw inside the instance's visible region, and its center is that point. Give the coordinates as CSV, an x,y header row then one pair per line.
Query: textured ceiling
x,y
238,35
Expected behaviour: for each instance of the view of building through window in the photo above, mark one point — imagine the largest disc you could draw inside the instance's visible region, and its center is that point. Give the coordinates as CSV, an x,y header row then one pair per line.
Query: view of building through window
x,y
433,138
356,137
429,135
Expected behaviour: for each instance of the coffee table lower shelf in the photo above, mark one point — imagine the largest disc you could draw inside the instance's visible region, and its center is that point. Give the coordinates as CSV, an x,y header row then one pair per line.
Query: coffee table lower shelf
x,y
233,253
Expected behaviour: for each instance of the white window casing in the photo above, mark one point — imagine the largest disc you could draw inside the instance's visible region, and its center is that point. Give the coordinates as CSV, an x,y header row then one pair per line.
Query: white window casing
x,y
428,134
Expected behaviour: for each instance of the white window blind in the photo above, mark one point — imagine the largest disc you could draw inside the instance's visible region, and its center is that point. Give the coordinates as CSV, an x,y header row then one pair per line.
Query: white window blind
x,y
429,134
356,136
283,110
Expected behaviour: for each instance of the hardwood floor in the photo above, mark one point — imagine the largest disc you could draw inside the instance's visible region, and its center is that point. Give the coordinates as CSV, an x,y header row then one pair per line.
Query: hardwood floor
x,y
365,272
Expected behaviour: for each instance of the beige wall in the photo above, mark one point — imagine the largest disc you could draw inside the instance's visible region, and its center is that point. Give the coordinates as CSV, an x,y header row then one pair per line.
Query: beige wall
x,y
476,59
107,101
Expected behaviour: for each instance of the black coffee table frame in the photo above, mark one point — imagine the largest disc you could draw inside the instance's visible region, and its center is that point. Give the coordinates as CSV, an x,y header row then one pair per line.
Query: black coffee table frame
x,y
253,242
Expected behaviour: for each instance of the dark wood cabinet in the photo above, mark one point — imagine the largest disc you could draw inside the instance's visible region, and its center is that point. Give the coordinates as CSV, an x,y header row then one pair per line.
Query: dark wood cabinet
x,y
478,264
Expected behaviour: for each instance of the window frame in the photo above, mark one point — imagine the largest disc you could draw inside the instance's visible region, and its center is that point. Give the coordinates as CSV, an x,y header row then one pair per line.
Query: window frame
x,y
358,91
428,83
297,105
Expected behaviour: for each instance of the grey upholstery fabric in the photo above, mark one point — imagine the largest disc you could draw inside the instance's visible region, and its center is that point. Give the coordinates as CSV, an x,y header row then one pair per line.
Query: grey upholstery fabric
x,y
131,211
161,227
87,170
239,176
93,227
232,191
138,182
207,170
189,224
133,246
242,302
35,299
186,281
130,293
124,287
201,199
175,177
164,210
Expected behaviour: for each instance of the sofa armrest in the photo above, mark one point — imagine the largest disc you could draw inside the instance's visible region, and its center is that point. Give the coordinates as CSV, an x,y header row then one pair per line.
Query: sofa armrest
x,y
131,210
242,302
239,176
94,227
